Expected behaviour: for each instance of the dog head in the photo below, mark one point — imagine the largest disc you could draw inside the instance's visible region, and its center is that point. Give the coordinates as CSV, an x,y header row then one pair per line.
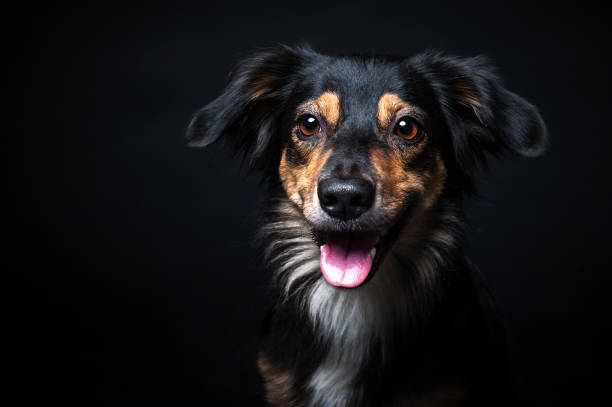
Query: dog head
x,y
361,145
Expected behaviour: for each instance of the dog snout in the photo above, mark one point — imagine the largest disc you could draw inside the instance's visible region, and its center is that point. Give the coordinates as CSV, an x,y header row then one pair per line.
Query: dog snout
x,y
345,198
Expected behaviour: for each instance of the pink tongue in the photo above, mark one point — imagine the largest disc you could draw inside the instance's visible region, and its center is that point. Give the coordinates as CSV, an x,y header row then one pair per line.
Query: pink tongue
x,y
345,266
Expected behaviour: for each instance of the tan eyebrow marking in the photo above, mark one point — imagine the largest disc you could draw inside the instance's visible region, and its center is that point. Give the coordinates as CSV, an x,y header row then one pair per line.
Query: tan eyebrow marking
x,y
388,105
328,106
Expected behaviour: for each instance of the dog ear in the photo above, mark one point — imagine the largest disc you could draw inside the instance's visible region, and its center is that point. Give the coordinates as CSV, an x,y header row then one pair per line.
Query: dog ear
x,y
481,114
247,113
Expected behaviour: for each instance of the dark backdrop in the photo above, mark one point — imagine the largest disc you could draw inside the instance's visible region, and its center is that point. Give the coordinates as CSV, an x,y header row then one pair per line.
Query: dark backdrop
x,y
141,283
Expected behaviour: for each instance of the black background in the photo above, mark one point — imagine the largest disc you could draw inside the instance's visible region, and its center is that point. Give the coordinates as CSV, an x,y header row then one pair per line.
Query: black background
x,y
141,282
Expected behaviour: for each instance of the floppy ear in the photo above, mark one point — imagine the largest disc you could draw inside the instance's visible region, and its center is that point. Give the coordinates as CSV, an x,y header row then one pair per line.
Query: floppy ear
x,y
248,111
481,114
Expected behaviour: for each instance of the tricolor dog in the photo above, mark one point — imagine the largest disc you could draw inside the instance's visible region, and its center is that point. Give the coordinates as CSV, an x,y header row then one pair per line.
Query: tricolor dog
x,y
367,160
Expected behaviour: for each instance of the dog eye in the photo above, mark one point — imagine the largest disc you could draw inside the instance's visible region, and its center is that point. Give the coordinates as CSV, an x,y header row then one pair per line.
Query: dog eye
x,y
407,129
308,125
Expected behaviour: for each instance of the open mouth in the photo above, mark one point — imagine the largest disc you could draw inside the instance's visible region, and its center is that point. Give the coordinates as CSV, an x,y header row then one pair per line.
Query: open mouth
x,y
347,258
350,258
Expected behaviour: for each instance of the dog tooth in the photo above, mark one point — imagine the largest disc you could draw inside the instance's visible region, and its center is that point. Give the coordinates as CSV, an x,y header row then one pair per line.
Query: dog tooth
x,y
321,248
373,252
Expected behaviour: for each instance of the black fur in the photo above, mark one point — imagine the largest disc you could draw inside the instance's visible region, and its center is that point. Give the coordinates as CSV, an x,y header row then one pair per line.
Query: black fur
x,y
452,334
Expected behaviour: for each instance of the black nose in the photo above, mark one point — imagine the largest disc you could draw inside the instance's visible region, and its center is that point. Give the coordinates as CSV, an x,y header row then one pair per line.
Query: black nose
x,y
345,198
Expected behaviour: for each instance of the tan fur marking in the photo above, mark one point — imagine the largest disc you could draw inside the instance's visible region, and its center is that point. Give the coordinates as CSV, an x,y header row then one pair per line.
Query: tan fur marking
x,y
289,178
263,88
327,105
299,181
467,96
394,181
389,105
433,186
470,100
308,179
278,384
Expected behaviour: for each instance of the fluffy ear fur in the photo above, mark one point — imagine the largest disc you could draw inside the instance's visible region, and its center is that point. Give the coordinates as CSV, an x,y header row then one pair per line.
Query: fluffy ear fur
x,y
481,114
247,113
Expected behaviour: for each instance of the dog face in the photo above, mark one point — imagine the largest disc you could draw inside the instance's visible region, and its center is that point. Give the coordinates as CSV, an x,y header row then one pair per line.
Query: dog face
x,y
358,156
363,145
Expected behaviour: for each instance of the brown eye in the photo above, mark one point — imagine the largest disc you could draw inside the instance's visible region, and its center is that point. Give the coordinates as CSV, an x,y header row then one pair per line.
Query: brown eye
x,y
406,128
308,125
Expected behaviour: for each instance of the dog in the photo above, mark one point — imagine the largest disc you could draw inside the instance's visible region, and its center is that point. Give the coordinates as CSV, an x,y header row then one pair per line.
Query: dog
x,y
367,160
